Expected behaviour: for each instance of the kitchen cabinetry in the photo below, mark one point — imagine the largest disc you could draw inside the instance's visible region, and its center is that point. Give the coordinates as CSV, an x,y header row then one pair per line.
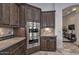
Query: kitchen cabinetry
x,y
22,15
9,14
16,49
48,19
4,13
36,14
32,13
14,15
48,43
29,13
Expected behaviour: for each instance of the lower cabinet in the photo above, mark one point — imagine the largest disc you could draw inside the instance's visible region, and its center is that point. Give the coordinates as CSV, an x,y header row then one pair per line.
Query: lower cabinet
x,y
48,43
17,49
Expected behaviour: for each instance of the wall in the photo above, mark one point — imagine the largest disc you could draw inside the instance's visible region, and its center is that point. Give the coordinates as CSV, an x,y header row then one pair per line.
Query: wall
x,y
58,23
44,6
69,19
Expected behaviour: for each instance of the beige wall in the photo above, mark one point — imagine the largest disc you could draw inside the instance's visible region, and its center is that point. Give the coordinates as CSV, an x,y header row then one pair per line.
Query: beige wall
x,y
70,19
73,19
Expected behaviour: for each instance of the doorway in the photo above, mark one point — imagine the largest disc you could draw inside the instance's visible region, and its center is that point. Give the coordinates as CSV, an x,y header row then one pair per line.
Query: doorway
x,y
70,29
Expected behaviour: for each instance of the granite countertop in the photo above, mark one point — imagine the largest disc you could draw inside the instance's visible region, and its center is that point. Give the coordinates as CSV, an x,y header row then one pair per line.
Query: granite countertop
x,y
9,42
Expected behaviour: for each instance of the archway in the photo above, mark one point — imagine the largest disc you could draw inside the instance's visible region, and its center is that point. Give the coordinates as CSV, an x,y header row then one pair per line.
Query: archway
x,y
70,29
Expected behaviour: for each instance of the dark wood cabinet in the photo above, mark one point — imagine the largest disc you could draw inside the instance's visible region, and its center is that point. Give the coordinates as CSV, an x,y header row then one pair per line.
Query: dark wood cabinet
x,y
4,13
48,19
16,49
36,14
9,14
32,13
28,13
14,15
22,16
48,43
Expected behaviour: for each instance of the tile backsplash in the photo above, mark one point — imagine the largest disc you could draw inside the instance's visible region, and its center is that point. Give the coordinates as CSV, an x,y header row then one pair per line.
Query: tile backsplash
x,y
6,32
47,32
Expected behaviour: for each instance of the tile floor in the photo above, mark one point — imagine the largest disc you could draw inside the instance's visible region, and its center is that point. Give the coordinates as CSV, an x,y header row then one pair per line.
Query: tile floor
x,y
69,49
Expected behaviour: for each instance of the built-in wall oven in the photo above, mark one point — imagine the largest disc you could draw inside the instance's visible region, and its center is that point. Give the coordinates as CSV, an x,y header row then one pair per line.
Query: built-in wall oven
x,y
33,34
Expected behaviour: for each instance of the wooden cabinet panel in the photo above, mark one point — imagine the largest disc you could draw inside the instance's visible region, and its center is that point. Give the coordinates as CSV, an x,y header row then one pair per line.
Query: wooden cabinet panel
x,y
43,20
51,45
43,44
22,15
28,13
14,14
48,43
36,14
48,19
5,13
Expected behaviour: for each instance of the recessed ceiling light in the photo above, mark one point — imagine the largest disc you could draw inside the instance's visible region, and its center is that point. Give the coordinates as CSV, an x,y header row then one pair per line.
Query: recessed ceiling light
x,y
74,9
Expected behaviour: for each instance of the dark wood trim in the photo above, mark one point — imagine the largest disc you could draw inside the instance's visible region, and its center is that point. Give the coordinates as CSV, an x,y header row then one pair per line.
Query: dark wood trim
x,y
48,11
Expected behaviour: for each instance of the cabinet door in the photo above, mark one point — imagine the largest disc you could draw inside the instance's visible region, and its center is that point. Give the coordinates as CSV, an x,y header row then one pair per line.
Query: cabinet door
x,y
44,44
22,15
14,14
51,19
51,45
5,13
43,20
28,13
36,15
48,19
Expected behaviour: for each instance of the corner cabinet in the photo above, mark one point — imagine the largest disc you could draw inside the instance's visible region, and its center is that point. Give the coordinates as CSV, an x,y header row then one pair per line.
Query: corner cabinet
x,y
48,19
14,15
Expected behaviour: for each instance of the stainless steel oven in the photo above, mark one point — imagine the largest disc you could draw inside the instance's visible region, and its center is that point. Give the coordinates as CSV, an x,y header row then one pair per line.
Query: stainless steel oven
x,y
33,34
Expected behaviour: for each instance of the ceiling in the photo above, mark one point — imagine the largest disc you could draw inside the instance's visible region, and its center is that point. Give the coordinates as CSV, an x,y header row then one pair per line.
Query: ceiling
x,y
70,9
44,6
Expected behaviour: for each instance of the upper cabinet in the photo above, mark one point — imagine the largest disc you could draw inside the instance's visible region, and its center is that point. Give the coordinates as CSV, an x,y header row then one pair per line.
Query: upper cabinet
x,y
32,13
14,15
4,13
36,14
48,19
22,15
28,13
9,14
